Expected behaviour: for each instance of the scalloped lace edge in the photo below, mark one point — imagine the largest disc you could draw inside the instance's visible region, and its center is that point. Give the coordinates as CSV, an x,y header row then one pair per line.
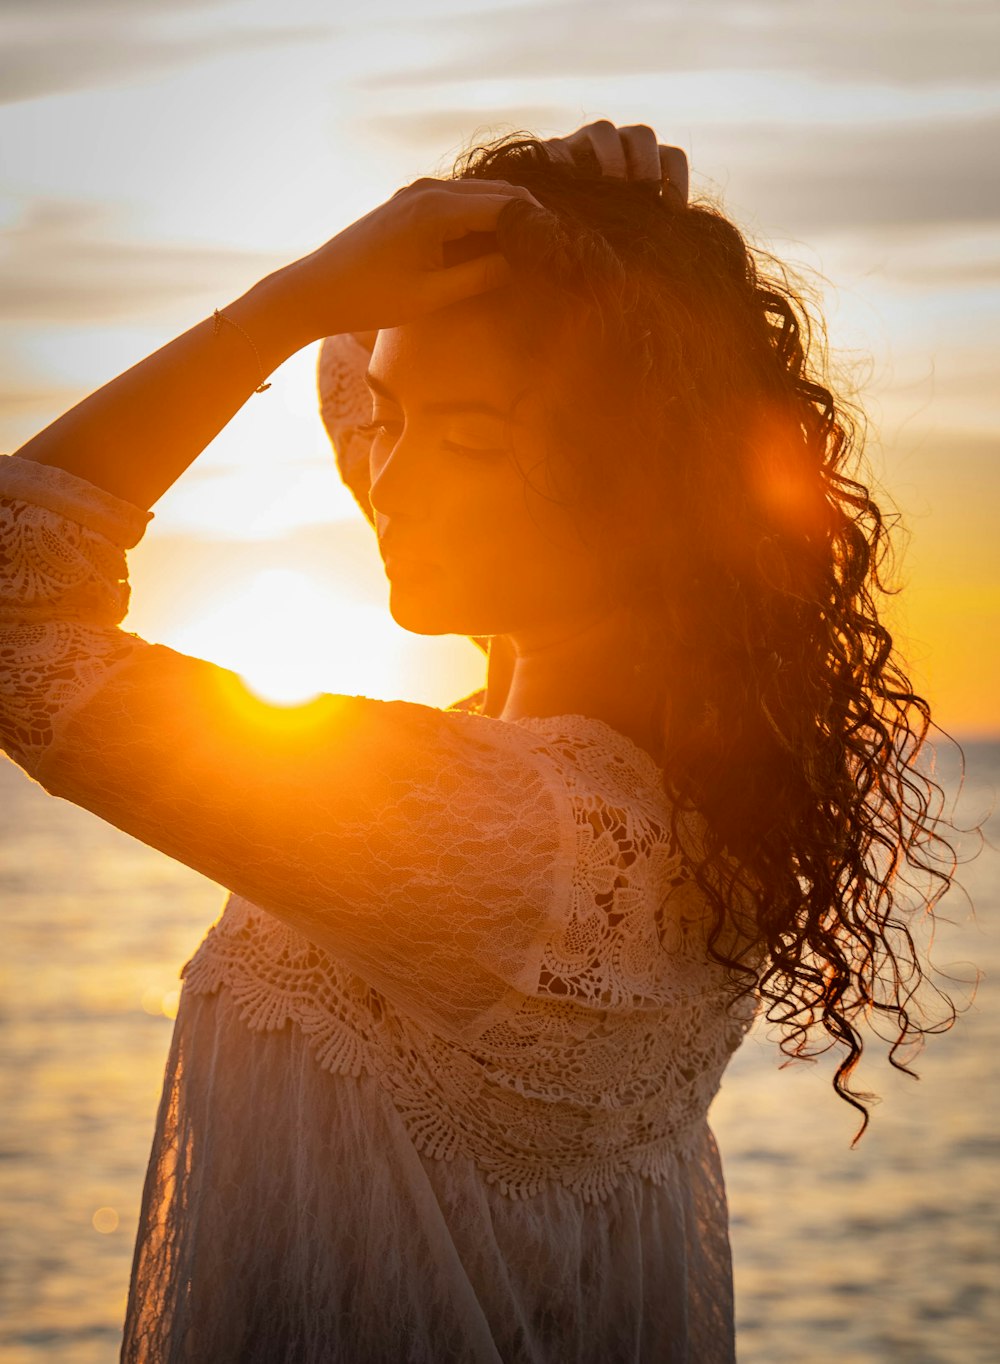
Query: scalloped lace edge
x,y
337,1049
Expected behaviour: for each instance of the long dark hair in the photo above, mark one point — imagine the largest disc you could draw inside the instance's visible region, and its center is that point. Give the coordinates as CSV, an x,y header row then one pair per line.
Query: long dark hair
x,y
693,428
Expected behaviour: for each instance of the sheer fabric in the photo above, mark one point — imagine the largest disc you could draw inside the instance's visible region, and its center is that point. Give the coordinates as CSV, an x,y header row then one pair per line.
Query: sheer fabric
x,y
288,1216
440,1075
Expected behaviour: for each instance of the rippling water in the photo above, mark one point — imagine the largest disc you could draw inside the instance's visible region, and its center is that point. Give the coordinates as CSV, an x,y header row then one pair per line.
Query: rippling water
x,y
882,1253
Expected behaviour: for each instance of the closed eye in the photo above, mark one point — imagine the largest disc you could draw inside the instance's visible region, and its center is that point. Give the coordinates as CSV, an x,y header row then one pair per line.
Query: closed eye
x,y
373,429
457,449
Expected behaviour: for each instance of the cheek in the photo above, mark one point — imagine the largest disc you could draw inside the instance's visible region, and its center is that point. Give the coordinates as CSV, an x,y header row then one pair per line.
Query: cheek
x,y
517,563
508,556
502,526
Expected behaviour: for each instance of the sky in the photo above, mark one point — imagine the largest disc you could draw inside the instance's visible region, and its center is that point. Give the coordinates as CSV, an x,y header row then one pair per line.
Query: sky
x,y
158,158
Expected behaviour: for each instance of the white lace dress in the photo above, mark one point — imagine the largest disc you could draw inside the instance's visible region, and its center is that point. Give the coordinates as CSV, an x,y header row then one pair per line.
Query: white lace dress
x,y
439,1078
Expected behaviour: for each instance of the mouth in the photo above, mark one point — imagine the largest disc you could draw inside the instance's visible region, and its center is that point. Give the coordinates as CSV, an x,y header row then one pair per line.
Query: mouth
x,y
399,569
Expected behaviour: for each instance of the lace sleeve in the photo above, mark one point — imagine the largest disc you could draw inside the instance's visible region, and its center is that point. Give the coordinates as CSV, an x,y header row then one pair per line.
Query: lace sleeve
x,y
429,851
63,589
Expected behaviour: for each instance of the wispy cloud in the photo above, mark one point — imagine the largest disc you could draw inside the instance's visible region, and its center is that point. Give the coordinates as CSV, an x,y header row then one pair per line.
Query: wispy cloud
x,y
431,129
919,259
798,180
921,42
69,262
848,176
55,47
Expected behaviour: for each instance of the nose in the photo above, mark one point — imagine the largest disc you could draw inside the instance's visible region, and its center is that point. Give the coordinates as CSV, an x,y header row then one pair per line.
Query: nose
x,y
398,482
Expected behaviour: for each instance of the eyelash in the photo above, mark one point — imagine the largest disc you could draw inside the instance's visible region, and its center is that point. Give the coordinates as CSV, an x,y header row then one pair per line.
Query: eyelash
x,y
373,429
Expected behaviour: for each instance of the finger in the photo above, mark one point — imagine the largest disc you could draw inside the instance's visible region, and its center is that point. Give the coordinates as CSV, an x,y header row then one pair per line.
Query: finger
x,y
608,148
558,149
464,185
641,152
594,142
574,147
674,174
460,186
471,278
460,214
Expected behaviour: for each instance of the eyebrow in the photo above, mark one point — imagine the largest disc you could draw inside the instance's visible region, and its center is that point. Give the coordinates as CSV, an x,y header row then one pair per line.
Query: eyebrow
x,y
483,408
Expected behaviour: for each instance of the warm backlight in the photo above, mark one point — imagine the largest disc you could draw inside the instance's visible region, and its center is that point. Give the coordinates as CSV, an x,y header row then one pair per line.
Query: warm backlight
x,y
289,639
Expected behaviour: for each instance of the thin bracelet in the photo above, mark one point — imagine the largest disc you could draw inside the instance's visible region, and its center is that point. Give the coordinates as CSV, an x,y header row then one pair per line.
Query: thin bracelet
x,y
217,320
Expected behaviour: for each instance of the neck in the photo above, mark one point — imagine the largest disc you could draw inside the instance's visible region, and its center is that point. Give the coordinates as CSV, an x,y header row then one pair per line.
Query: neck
x,y
597,666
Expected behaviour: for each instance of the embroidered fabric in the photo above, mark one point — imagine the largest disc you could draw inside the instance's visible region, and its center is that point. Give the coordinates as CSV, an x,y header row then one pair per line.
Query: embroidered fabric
x,y
600,1032
607,1065
63,585
482,936
494,918
286,1216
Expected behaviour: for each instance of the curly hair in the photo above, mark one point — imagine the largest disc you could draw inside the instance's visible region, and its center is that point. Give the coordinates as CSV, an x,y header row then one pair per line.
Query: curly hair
x,y
691,426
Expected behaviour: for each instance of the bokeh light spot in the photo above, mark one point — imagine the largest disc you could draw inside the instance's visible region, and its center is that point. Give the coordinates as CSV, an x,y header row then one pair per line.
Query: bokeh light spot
x,y
105,1221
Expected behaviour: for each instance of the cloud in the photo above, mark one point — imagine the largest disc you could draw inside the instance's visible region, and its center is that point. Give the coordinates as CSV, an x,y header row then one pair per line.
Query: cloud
x,y
55,47
803,181
919,259
68,262
432,129
914,43
795,180
34,11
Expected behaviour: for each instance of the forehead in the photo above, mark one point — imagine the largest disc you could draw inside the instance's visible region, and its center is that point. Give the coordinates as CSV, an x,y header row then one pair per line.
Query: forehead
x,y
468,348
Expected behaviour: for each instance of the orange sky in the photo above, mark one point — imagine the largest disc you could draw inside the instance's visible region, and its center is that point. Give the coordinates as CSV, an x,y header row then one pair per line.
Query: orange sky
x,y
158,162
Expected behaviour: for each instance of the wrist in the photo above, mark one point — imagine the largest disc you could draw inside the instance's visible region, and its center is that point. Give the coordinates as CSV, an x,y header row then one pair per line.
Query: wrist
x,y
274,316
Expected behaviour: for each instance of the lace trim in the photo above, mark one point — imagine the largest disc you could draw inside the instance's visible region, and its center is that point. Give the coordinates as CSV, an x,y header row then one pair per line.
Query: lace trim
x,y
63,589
47,670
346,404
604,1062
616,751
54,568
606,1068
343,394
57,490
569,1117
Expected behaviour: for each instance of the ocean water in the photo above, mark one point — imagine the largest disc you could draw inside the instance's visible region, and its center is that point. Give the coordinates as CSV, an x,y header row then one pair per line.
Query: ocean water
x,y
887,1252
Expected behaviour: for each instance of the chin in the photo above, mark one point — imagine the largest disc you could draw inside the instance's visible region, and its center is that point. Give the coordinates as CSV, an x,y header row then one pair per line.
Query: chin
x,y
418,615
425,615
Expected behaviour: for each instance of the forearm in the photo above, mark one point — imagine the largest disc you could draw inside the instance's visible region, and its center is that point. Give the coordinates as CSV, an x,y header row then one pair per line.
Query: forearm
x,y
135,436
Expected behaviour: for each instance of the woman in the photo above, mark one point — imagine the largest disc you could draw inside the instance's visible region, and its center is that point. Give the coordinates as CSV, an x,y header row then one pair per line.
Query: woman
x,y
440,1076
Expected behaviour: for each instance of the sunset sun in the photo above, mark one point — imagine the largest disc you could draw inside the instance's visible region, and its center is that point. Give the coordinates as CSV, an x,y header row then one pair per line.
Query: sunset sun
x,y
290,634
290,639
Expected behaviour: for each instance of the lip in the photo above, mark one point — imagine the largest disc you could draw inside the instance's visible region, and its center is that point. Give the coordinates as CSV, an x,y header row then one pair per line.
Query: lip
x,y
402,569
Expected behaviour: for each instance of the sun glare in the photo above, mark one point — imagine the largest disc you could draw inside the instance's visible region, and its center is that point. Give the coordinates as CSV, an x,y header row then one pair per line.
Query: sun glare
x,y
290,640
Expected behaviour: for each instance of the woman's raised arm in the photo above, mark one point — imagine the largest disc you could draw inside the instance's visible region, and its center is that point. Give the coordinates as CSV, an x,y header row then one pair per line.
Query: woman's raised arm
x,y
135,436
382,832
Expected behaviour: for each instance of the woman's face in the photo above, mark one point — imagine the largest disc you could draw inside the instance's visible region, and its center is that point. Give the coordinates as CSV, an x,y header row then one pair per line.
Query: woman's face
x,y
473,541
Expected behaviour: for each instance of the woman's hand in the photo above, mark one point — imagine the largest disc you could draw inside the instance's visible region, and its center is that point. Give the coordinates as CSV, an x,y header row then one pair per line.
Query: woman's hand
x,y
394,264
629,153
